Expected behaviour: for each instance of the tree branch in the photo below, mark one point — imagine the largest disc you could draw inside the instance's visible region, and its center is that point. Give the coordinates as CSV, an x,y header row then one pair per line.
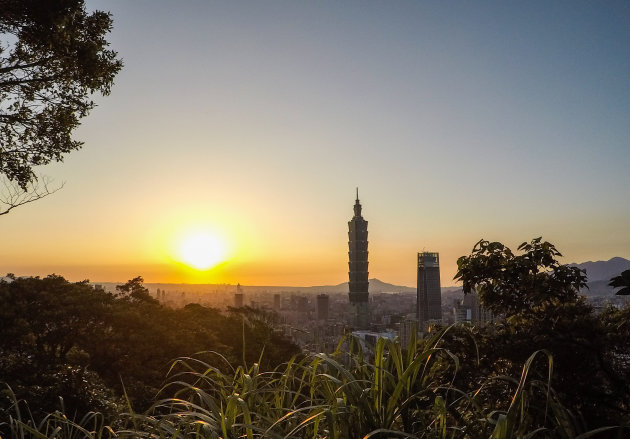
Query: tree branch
x,y
10,83
13,195
24,66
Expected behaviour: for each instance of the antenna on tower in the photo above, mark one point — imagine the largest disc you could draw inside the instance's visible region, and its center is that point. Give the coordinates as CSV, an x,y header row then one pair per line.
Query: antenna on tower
x,y
357,193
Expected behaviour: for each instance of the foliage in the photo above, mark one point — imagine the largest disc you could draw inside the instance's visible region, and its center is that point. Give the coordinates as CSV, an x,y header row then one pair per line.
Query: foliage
x,y
622,281
86,345
13,195
134,291
53,57
394,393
22,424
543,311
68,339
510,284
47,317
591,374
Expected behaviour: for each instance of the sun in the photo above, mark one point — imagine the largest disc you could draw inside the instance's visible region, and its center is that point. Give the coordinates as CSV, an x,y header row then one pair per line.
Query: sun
x,y
201,250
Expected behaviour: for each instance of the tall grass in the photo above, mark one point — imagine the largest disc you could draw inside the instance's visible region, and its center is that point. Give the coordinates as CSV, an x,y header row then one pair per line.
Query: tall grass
x,y
389,393
21,424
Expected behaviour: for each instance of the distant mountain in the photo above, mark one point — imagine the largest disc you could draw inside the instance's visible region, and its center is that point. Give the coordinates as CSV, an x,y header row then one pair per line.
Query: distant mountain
x,y
376,286
599,273
604,270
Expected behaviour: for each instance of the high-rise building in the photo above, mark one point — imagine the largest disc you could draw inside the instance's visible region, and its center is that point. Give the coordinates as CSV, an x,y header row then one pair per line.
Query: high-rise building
x,y
322,306
469,309
358,267
276,302
429,294
301,303
238,297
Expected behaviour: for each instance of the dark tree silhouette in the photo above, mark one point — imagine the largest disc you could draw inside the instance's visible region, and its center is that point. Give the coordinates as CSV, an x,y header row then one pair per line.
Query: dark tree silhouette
x,y
135,291
543,308
53,58
510,284
622,281
54,333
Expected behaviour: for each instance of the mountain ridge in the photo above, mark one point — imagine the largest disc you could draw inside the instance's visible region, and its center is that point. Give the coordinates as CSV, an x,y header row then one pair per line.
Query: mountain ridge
x,y
599,274
603,270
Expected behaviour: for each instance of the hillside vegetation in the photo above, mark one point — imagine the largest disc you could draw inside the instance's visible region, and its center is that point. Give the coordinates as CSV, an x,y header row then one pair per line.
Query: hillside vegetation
x,y
548,368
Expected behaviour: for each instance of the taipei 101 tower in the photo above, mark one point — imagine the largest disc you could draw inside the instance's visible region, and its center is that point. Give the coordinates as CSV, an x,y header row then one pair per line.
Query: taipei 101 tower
x,y
358,267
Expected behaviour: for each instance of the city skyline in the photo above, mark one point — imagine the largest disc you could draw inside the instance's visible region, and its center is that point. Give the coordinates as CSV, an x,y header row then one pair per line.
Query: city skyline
x,y
253,124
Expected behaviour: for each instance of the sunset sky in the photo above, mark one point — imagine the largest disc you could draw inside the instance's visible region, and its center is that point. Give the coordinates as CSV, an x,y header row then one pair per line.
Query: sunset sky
x,y
254,122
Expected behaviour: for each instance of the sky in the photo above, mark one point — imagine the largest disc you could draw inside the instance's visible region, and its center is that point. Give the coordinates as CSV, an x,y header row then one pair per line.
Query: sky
x,y
254,122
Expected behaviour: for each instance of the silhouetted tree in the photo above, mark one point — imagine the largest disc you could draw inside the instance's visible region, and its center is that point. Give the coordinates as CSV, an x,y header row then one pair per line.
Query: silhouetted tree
x,y
49,316
133,290
510,284
53,57
543,309
44,325
55,335
622,281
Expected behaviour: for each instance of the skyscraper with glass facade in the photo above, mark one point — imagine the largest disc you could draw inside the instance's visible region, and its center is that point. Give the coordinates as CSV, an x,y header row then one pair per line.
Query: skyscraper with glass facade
x,y
429,294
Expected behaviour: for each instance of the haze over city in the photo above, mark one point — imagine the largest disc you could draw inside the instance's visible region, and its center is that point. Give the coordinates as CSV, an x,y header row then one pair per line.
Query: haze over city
x,y
248,126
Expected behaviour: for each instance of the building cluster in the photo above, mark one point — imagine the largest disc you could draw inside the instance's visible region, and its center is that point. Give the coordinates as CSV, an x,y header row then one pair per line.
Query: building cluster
x,y
428,303
319,320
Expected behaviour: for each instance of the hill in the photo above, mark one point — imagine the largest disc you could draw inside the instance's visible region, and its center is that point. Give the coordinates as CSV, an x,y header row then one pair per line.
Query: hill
x,y
376,286
599,274
603,270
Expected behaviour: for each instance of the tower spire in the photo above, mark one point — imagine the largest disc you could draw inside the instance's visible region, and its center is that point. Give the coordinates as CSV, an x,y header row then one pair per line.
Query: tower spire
x,y
357,205
358,267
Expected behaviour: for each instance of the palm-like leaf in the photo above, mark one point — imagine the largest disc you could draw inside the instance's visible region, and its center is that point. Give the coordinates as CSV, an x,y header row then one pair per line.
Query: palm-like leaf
x,y
622,281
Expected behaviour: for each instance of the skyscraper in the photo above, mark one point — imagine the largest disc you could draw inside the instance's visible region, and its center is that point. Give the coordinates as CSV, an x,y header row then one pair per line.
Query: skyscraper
x,y
358,267
276,302
429,294
469,309
238,297
322,306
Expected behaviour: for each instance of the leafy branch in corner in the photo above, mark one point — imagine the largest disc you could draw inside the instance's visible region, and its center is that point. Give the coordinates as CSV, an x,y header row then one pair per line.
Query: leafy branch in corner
x,y
12,195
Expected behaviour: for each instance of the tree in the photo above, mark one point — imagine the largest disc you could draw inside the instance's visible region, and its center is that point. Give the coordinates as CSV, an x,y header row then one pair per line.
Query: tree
x,y
134,291
510,284
55,335
544,310
622,281
53,58
48,316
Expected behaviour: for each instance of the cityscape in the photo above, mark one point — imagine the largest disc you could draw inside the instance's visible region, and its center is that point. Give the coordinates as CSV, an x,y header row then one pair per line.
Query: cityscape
x,y
317,319
314,219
